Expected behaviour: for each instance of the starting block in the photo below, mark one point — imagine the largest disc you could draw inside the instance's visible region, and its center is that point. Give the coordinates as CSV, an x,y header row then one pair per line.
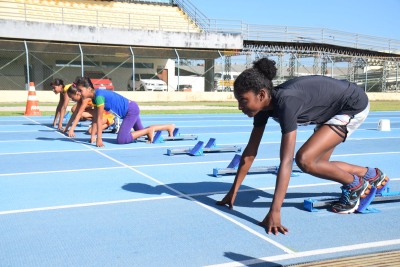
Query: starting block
x,y
158,138
231,169
199,149
67,116
313,205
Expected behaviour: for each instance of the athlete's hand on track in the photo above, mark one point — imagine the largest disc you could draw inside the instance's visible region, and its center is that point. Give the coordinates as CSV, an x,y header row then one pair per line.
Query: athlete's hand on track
x,y
229,199
99,143
71,133
272,223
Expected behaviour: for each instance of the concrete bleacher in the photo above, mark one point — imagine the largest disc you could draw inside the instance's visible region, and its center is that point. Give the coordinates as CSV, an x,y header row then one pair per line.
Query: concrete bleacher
x,y
136,16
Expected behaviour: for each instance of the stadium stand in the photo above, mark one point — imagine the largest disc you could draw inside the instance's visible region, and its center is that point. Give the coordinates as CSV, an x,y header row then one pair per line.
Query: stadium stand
x,y
136,16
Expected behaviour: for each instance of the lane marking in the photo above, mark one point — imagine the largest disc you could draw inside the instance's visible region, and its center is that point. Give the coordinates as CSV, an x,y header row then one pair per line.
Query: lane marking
x,y
185,163
159,146
309,253
83,205
113,202
180,194
213,210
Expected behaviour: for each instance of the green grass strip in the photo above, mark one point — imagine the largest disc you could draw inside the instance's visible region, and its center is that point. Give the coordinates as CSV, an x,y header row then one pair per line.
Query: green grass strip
x,y
375,106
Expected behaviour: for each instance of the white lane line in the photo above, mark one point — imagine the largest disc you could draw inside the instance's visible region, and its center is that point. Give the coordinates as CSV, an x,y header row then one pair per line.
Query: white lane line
x,y
60,171
18,141
213,210
83,205
163,146
30,131
113,202
309,253
183,163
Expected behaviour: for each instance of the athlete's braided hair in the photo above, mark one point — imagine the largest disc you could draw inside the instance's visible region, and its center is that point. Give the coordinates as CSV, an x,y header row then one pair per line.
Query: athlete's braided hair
x,y
254,79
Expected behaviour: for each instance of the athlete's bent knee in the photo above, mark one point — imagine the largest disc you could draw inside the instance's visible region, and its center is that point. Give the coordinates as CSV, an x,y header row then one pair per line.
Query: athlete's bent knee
x,y
304,162
124,139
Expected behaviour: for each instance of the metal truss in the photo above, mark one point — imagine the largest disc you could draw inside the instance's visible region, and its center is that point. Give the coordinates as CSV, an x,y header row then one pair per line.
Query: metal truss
x,y
374,70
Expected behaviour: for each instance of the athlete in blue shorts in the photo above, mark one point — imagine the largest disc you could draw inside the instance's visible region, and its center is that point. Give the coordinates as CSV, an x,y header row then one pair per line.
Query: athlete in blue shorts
x,y
336,107
120,106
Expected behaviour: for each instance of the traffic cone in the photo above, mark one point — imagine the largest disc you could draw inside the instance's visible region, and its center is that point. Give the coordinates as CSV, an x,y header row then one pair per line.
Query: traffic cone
x,y
32,104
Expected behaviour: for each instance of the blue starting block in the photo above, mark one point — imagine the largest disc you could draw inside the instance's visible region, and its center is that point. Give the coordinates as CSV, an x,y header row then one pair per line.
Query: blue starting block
x,y
158,138
231,169
67,116
313,205
199,149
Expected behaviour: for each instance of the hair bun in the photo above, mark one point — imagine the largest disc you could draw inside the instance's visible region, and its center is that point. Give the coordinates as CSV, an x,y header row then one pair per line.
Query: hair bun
x,y
266,67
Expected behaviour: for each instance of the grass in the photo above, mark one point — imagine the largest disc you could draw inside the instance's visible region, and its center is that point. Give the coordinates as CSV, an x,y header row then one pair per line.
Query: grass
x,y
220,107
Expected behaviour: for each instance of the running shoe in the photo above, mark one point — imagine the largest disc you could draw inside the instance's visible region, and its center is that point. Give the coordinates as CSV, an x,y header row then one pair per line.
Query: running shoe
x,y
350,198
379,181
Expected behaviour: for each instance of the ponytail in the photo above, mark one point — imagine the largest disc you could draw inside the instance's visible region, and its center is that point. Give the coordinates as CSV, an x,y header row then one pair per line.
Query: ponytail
x,y
84,81
256,78
266,67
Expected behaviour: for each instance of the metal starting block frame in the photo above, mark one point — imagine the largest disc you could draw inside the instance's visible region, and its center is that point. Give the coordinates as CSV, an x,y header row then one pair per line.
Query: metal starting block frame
x,y
199,149
313,205
231,169
158,138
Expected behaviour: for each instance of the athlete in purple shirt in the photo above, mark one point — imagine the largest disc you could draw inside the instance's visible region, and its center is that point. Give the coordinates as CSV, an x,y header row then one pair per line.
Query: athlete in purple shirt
x,y
336,107
118,105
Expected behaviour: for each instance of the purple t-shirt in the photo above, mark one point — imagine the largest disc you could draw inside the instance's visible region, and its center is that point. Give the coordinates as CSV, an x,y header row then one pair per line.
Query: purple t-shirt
x,y
312,100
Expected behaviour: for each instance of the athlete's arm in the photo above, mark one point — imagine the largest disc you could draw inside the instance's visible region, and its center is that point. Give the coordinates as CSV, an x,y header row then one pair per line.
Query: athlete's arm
x,y
272,222
80,108
246,160
63,110
99,116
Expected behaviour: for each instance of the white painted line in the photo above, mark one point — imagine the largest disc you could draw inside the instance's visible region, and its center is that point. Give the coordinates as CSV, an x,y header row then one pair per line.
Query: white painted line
x,y
44,152
18,141
83,205
30,131
113,202
184,163
215,211
60,171
309,253
153,146
287,250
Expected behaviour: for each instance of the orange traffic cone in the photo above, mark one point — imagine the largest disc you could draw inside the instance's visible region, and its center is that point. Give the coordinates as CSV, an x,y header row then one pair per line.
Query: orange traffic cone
x,y
32,104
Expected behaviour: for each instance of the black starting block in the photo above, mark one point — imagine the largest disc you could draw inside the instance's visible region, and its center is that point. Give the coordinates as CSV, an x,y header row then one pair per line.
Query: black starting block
x,y
313,205
199,149
158,138
231,169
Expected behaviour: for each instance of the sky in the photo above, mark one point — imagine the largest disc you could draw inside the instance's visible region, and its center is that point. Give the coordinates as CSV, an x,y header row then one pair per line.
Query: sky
x,y
379,18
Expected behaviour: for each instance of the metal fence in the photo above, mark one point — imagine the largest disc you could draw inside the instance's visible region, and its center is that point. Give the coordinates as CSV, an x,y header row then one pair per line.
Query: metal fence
x,y
41,62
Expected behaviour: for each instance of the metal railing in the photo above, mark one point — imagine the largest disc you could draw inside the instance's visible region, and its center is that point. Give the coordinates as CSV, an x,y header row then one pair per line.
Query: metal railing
x,y
197,22
290,34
